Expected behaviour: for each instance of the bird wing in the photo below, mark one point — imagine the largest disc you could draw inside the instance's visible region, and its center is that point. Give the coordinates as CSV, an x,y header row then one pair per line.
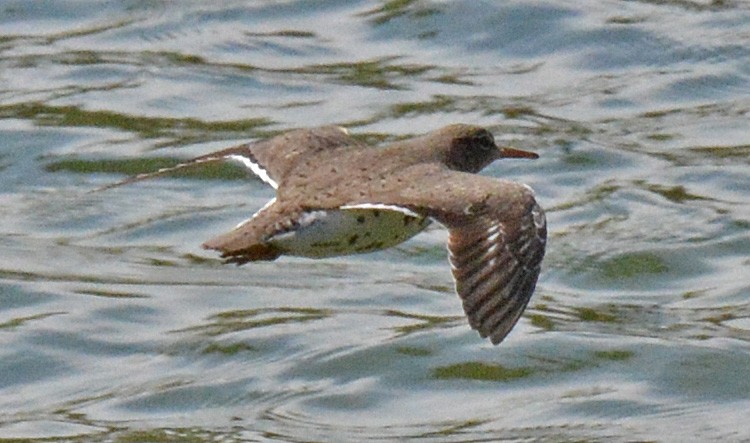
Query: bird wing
x,y
269,159
497,237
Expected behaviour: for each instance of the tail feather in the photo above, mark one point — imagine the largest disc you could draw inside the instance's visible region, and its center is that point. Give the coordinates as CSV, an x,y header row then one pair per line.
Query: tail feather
x,y
247,242
256,252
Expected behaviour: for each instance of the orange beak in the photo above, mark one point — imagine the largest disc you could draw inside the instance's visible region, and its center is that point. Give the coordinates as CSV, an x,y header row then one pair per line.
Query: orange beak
x,y
507,151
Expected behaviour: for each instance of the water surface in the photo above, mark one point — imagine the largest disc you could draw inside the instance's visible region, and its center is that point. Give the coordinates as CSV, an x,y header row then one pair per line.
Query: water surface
x,y
116,326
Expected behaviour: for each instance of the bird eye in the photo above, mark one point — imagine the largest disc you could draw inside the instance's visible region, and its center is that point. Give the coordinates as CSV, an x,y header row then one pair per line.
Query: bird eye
x,y
485,141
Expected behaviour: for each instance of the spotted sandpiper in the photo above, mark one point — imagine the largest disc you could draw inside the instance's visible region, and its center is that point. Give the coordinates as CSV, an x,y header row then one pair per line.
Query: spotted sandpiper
x,y
337,196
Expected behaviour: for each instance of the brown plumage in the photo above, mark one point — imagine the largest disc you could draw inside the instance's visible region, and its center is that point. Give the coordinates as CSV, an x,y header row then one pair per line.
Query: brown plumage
x,y
336,196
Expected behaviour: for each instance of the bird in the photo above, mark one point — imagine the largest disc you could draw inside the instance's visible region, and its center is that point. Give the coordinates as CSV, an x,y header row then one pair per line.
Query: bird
x,y
335,196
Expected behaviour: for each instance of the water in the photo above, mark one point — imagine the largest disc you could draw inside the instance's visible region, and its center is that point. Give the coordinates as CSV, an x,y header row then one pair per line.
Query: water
x,y
116,326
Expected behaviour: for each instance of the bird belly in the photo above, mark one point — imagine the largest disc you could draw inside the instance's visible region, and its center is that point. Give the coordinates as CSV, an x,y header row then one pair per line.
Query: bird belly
x,y
328,233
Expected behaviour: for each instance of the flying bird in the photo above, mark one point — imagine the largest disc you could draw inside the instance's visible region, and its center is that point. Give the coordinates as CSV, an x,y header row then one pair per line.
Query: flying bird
x,y
337,196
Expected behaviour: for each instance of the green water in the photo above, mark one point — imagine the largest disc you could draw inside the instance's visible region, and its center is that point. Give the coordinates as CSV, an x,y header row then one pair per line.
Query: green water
x,y
115,326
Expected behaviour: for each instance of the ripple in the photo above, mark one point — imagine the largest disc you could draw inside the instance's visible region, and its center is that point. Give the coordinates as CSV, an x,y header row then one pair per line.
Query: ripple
x,y
115,324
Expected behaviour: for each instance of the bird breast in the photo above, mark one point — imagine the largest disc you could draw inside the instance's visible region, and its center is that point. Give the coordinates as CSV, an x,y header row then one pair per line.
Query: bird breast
x,y
349,230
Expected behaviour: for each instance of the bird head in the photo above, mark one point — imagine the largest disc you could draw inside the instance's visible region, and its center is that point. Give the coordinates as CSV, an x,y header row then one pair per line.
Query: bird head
x,y
471,148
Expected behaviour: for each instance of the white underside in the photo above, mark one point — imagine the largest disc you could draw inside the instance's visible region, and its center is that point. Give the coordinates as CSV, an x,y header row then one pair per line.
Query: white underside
x,y
351,230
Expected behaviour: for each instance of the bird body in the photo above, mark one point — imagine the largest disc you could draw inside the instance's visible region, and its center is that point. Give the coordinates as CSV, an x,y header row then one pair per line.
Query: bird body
x,y
337,196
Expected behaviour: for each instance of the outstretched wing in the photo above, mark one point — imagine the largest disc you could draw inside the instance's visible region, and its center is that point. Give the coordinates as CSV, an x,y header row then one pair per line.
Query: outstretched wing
x,y
269,159
496,263
497,238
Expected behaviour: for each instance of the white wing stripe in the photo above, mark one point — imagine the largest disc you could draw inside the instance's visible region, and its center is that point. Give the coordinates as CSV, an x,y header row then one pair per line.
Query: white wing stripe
x,y
266,206
383,206
255,167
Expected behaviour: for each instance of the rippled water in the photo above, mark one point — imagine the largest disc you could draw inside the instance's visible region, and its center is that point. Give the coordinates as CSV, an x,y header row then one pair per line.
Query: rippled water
x,y
116,326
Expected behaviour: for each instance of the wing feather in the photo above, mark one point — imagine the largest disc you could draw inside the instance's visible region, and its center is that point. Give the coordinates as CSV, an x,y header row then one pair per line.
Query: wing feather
x,y
269,159
497,237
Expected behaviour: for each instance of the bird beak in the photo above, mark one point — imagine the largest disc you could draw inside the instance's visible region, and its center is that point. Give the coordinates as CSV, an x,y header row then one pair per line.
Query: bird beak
x,y
507,151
